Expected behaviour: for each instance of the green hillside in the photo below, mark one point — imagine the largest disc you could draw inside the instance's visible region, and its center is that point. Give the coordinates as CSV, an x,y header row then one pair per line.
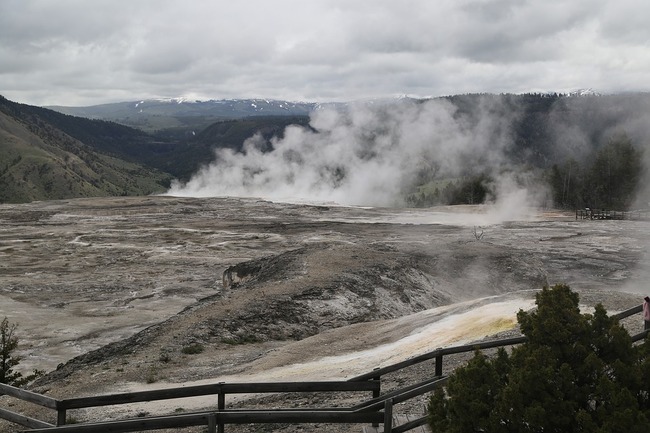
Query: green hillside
x,y
40,162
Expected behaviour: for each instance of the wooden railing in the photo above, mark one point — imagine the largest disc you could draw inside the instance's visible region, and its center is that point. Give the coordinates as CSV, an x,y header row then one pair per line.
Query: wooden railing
x,y
31,397
627,313
439,353
219,390
214,419
375,411
604,214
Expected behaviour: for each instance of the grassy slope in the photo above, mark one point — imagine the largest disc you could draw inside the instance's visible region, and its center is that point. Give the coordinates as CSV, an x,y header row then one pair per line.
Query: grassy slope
x,y
39,162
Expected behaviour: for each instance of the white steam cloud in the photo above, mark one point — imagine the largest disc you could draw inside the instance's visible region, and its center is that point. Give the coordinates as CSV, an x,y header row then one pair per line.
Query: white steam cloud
x,y
371,154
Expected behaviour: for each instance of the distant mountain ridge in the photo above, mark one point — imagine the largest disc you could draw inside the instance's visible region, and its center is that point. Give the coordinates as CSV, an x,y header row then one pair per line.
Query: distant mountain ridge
x,y
224,108
157,114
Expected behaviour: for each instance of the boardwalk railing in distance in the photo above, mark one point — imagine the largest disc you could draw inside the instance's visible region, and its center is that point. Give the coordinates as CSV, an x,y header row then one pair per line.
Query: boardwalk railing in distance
x,y
605,214
376,410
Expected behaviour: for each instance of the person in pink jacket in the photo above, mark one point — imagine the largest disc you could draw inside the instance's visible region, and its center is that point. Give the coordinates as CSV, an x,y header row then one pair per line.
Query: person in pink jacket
x,y
646,312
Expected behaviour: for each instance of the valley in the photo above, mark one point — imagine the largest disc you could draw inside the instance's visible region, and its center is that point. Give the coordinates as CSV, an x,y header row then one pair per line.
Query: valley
x,y
109,292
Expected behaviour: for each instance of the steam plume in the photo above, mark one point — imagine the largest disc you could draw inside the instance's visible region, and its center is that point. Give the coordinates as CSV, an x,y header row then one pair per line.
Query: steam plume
x,y
368,155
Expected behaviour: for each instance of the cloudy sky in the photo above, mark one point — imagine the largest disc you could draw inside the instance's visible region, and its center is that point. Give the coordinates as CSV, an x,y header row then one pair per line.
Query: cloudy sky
x,y
80,52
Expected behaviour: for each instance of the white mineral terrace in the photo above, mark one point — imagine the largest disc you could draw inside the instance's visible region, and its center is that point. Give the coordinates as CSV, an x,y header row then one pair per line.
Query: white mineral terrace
x,y
434,328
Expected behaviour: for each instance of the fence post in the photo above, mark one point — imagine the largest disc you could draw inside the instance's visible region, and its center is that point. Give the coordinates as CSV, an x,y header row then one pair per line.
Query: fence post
x,y
60,417
221,405
388,416
212,423
439,364
376,392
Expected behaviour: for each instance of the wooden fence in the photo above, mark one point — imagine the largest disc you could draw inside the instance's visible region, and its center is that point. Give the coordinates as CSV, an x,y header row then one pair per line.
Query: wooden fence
x,y
219,390
376,410
604,214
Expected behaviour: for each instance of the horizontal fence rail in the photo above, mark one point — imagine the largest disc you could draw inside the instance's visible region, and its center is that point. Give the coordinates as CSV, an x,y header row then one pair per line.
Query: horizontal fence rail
x,y
375,410
437,354
372,404
28,396
23,420
403,396
440,352
627,313
410,425
215,389
213,419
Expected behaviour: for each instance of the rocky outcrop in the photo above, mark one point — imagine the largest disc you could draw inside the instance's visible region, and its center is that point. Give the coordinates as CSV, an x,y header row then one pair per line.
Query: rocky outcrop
x,y
390,283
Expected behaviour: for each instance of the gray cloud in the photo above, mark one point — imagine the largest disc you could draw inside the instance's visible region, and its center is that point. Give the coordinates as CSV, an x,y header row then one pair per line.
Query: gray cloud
x,y
79,52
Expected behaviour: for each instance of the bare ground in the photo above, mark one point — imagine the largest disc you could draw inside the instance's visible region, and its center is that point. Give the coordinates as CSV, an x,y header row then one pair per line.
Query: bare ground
x,y
125,284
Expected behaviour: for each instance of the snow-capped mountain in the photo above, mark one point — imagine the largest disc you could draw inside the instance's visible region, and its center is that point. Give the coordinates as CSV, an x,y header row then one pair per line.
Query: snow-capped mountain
x,y
190,107
182,112
584,92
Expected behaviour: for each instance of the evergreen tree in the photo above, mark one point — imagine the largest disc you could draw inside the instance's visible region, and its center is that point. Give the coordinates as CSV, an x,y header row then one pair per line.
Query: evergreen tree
x,y
608,179
614,174
577,372
8,345
566,184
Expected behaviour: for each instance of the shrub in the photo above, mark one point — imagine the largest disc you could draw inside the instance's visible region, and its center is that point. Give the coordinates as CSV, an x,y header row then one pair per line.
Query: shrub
x,y
193,349
577,372
8,345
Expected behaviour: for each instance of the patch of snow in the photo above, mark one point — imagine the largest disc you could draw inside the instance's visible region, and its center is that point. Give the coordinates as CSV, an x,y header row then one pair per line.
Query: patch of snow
x,y
584,92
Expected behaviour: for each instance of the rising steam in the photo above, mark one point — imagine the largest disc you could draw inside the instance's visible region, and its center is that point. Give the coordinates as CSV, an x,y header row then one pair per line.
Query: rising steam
x,y
369,154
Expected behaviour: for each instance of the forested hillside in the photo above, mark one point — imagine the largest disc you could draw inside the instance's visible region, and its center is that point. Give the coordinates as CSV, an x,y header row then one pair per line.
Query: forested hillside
x,y
39,161
45,154
182,153
589,149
